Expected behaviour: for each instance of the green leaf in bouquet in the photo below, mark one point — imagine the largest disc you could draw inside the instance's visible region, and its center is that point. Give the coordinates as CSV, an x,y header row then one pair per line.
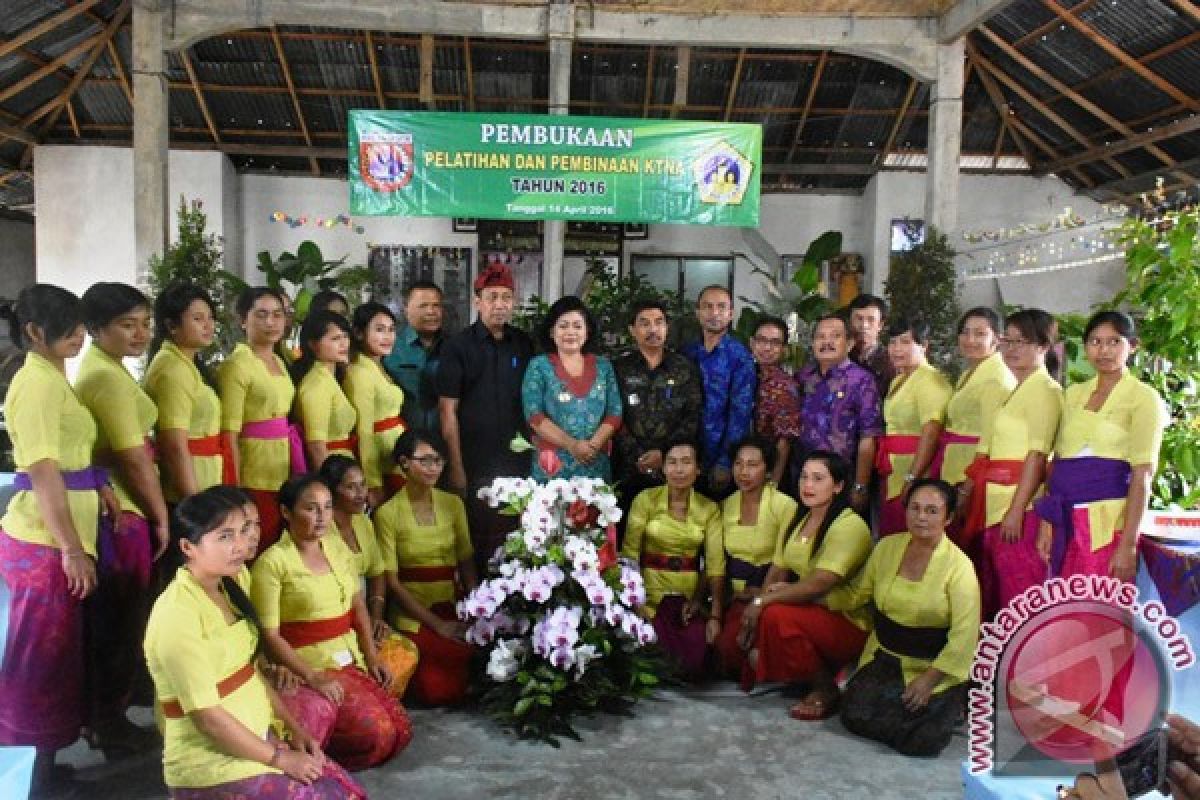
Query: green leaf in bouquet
x,y
520,444
544,699
523,705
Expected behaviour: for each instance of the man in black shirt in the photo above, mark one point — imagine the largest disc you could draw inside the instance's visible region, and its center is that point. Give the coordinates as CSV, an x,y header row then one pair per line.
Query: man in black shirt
x,y
479,404
662,398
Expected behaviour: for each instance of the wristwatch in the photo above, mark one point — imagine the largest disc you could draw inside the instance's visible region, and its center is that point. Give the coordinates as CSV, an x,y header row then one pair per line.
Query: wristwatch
x,y
858,487
758,600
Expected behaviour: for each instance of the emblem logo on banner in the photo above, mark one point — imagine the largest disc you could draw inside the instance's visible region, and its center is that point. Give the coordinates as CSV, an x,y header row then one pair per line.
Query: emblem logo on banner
x,y
723,175
387,160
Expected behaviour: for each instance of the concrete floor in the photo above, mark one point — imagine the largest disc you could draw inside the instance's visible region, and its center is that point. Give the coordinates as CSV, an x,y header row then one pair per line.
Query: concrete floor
x,y
683,745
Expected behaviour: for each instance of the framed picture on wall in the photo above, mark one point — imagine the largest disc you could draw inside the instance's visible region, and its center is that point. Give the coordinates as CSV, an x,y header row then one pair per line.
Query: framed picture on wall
x,y
465,225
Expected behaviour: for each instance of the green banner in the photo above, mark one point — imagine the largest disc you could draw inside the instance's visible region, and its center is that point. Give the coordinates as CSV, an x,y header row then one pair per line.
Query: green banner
x,y
534,166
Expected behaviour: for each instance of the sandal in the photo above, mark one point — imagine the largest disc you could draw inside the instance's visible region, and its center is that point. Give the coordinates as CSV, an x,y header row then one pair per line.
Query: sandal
x,y
815,706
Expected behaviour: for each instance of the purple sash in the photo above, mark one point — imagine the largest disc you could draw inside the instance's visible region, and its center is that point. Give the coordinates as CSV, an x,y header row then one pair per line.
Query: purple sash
x,y
737,569
1075,481
76,480
1176,574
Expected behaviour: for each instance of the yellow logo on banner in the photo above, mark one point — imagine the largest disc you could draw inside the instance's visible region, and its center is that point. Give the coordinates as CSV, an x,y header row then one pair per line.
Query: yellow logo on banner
x,y
723,174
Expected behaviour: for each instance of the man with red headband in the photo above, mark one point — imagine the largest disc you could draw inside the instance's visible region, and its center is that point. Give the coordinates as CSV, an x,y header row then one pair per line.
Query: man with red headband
x,y
479,404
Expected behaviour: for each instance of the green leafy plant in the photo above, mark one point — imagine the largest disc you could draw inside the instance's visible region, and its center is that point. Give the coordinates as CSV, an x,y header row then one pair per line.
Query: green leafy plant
x,y
1162,263
609,296
307,272
798,299
922,283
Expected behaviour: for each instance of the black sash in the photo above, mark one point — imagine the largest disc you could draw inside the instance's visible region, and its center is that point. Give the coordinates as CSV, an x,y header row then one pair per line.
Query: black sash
x,y
907,640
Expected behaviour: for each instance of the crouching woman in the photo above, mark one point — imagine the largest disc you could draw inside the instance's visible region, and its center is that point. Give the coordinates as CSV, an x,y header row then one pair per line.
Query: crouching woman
x,y
225,731
909,688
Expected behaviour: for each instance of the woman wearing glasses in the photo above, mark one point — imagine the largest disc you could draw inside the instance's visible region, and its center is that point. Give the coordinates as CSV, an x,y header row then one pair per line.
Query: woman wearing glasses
x,y
1010,466
430,563
777,405
1104,460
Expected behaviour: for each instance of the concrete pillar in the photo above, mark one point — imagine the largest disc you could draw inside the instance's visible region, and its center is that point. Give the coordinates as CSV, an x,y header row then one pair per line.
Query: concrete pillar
x,y
560,29
150,131
945,138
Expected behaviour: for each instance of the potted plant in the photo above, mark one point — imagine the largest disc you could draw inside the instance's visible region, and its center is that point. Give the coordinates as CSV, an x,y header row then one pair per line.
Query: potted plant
x,y
922,283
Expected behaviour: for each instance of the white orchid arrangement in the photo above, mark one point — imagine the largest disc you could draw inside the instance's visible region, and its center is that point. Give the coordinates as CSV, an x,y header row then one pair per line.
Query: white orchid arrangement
x,y
558,615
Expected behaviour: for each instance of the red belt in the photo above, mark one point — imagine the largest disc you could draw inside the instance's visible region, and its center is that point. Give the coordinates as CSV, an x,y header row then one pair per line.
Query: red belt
x,y
425,574
308,632
672,563
983,471
388,423
172,710
350,443
215,445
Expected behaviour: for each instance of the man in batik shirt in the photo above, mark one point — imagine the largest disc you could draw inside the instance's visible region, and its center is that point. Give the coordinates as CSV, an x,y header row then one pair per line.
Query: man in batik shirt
x,y
661,401
867,315
730,381
777,409
840,408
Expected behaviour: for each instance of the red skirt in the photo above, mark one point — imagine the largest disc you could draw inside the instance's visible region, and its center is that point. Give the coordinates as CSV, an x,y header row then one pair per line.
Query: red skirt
x,y
1079,558
334,784
41,676
371,725
315,712
442,673
731,658
1009,568
797,642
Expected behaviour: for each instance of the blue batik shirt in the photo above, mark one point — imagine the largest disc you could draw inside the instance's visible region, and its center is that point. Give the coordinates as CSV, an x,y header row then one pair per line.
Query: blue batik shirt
x,y
730,381
414,368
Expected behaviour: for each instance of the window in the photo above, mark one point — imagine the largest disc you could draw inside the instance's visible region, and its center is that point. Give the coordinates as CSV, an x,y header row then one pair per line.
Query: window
x,y
688,274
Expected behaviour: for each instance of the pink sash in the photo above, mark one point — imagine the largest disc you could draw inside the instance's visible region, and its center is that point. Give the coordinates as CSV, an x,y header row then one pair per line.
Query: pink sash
x,y
279,428
948,438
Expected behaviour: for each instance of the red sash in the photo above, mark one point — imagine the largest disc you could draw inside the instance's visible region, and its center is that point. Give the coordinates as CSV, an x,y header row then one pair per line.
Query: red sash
x,y
425,574
983,471
215,445
387,423
946,439
315,631
670,563
350,443
172,710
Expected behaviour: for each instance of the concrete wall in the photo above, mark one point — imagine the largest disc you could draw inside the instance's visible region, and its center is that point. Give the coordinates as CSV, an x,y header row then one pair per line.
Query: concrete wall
x,y
84,201
16,256
85,224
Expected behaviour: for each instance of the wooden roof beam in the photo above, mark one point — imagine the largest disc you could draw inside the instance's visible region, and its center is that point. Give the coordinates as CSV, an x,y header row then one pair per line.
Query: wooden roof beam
x,y
1178,128
648,92
683,72
291,86
17,134
81,73
965,16
1067,92
44,27
818,71
48,69
1039,106
1147,58
426,66
376,79
191,72
1141,70
115,58
1052,24
470,69
733,84
901,117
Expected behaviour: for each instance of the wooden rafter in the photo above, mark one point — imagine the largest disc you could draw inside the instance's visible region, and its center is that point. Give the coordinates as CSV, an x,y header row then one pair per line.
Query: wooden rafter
x,y
17,134
999,146
733,83
1070,94
648,92
426,61
1178,128
683,73
44,27
48,69
1028,96
376,78
900,118
72,120
1050,25
1187,7
287,77
1070,17
818,71
115,57
1021,133
81,73
469,67
186,57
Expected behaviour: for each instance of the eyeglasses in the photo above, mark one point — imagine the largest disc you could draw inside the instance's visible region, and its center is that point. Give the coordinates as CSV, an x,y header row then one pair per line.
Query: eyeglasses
x,y
1012,343
429,461
768,341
